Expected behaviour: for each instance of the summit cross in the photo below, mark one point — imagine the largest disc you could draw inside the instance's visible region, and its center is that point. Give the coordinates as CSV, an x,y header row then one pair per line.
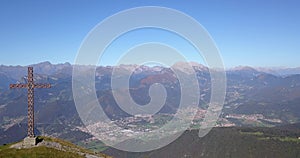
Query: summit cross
x,y
30,85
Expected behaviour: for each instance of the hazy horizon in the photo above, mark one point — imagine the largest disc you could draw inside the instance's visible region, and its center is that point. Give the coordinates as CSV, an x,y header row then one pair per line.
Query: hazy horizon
x,y
226,68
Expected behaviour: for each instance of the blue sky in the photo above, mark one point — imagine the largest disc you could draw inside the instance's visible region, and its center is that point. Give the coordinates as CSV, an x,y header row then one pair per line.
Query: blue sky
x,y
248,32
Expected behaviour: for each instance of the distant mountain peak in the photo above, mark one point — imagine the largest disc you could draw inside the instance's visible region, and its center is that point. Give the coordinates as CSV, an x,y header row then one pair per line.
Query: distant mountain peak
x,y
244,68
44,63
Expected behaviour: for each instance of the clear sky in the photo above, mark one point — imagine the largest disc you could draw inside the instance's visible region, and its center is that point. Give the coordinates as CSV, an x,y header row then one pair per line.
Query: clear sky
x,y
247,32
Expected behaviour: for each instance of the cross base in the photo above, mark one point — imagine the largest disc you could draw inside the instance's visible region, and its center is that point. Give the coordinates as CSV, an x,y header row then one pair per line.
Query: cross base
x,y
29,142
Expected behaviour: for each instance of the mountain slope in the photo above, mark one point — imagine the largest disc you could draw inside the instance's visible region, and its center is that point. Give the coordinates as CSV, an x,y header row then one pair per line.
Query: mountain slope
x,y
233,142
48,147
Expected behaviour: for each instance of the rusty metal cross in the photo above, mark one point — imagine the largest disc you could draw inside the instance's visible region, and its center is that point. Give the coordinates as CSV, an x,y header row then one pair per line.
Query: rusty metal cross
x,y
30,87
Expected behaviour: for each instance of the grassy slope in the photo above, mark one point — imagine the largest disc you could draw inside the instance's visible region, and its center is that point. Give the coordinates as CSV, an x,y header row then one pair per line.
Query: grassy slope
x,y
37,153
42,151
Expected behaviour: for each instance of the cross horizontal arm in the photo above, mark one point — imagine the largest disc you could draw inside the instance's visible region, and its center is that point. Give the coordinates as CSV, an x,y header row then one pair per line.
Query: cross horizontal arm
x,y
18,86
42,85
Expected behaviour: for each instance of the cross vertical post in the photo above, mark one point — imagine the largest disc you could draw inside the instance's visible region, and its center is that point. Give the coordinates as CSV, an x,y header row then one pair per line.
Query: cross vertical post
x,y
30,84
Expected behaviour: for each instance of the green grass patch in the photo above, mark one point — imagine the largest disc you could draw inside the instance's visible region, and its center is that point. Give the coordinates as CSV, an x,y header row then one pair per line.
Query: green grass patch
x,y
66,144
253,133
97,146
37,152
288,139
282,139
2,147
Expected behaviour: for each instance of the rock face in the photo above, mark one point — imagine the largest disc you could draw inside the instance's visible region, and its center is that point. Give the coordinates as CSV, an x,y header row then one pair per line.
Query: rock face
x,y
29,142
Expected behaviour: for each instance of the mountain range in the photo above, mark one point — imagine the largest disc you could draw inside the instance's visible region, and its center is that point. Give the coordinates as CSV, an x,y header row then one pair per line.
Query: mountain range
x,y
258,97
